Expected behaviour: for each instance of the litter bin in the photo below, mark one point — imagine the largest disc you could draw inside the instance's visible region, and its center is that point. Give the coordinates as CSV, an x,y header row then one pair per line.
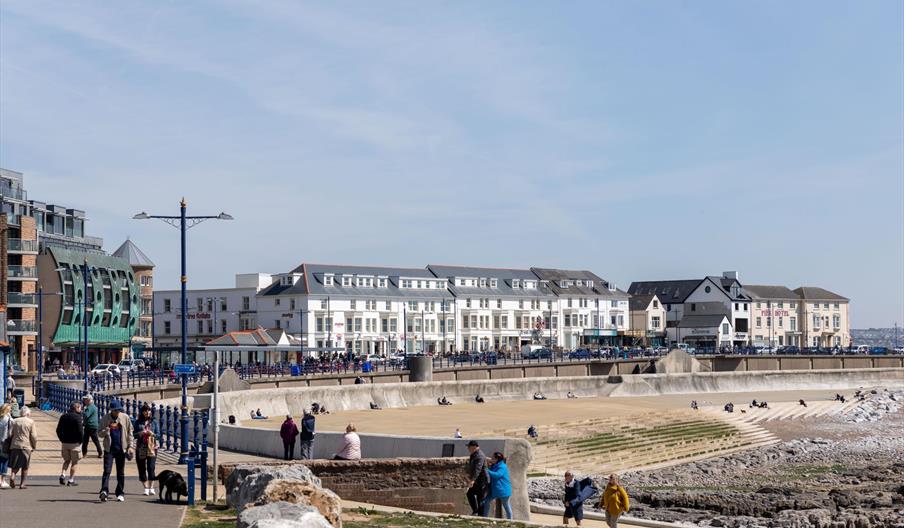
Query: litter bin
x,y
19,395
366,367
296,370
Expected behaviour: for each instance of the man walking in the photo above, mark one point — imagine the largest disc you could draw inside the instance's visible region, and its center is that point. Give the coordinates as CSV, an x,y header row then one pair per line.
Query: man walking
x,y
306,439
89,419
574,504
116,433
288,432
477,474
69,431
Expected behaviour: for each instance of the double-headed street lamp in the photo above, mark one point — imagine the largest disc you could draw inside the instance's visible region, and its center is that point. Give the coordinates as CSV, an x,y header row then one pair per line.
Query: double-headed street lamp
x,y
183,223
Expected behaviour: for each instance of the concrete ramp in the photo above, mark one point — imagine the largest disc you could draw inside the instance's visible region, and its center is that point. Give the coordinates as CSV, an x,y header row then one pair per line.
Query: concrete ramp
x,y
679,362
229,382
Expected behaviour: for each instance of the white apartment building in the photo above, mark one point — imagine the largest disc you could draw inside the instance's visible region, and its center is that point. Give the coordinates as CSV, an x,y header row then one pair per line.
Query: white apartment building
x,y
363,310
500,309
593,311
775,316
211,312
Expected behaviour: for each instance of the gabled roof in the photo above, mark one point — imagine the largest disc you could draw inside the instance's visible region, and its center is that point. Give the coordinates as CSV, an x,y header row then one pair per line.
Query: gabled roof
x,y
725,283
600,286
669,291
136,258
245,337
758,291
640,302
812,293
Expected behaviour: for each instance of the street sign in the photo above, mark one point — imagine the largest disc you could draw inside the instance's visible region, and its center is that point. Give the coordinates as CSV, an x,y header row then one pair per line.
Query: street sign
x,y
184,368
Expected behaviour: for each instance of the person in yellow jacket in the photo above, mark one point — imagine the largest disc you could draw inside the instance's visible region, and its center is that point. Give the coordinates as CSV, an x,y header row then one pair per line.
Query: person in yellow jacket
x,y
615,501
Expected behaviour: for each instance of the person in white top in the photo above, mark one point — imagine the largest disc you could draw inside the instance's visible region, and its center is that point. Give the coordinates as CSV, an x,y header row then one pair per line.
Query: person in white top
x,y
351,445
457,433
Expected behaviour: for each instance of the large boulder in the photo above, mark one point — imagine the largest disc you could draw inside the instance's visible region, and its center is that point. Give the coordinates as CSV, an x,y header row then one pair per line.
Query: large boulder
x,y
300,492
247,482
281,515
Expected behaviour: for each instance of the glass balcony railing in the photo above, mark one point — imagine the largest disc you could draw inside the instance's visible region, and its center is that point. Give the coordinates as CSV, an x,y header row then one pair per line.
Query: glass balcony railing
x,y
22,298
23,272
19,245
21,325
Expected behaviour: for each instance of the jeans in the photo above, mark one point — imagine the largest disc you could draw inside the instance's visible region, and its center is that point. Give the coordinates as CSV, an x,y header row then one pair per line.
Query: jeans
x,y
146,467
612,520
288,450
4,465
120,458
90,434
475,495
306,448
506,505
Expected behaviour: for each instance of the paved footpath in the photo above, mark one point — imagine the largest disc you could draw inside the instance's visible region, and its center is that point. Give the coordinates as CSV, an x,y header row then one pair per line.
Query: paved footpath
x,y
45,503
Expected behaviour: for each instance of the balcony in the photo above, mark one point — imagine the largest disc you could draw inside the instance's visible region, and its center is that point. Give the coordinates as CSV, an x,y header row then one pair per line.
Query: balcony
x,y
23,273
19,246
19,300
21,327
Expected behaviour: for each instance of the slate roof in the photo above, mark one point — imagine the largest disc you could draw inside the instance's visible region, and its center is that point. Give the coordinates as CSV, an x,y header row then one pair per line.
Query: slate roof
x,y
503,276
245,337
136,258
640,302
818,294
669,291
311,282
757,291
725,283
600,286
701,321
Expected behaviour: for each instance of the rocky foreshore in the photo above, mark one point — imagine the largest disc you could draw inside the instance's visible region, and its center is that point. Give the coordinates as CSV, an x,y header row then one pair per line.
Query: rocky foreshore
x,y
845,474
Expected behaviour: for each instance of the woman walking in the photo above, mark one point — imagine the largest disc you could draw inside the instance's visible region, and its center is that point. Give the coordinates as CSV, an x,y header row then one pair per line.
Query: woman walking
x,y
146,432
500,486
615,501
24,441
288,432
6,422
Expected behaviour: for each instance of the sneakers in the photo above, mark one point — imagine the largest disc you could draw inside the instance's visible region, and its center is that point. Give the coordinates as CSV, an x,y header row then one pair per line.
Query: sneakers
x,y
103,496
120,498
4,485
152,492
72,483
62,480
147,491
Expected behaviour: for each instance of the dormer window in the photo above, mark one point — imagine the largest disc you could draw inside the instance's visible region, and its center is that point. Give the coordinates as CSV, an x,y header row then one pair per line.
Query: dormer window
x,y
494,283
346,281
406,283
590,284
327,280
483,283
381,283
578,283
516,283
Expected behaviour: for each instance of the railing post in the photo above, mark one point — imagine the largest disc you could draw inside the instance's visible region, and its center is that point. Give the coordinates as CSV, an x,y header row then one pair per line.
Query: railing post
x,y
191,480
205,422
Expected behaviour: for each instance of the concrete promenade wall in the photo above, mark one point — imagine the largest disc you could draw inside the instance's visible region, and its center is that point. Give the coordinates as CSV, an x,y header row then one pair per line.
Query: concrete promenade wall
x,y
561,369
266,442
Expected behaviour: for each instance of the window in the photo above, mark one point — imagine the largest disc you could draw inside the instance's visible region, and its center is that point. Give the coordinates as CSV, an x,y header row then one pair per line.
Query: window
x,y
381,283
655,303
167,327
826,306
167,305
246,303
412,306
736,307
200,327
725,328
693,307
353,304
837,306
613,303
384,325
349,324
319,324
278,323
815,306
346,281
499,303
781,322
277,301
516,283
200,303
388,305
393,325
291,304
521,304
793,324
836,321
781,305
768,322
555,322
483,283
759,305
494,283
815,321
746,307
759,322
793,305
327,280
503,321
621,320
654,321
223,304
323,304
467,303
210,326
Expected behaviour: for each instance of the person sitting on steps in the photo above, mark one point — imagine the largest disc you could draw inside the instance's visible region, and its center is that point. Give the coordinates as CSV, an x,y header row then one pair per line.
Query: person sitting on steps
x,y
478,398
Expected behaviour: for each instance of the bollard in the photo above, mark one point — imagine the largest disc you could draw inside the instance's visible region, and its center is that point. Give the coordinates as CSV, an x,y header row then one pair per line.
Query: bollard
x,y
205,420
190,462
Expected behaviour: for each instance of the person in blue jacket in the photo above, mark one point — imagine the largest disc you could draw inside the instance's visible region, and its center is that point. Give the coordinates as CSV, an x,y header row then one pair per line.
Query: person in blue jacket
x,y
500,486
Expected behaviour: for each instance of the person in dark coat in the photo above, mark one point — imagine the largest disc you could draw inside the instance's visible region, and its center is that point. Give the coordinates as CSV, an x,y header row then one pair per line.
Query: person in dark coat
x,y
306,439
288,432
70,429
477,476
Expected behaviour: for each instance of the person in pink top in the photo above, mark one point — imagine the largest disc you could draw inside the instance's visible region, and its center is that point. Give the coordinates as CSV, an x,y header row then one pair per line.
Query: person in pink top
x,y
351,445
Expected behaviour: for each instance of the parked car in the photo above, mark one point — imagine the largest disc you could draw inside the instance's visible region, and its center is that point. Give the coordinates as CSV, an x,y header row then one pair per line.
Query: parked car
x,y
374,359
105,370
580,353
685,347
878,351
861,349
539,353
789,349
129,365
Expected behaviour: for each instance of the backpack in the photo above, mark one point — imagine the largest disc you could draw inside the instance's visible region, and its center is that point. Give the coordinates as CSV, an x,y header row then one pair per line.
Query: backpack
x,y
587,489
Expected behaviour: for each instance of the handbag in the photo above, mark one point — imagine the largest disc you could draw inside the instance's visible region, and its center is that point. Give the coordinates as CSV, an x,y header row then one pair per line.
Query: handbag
x,y
149,449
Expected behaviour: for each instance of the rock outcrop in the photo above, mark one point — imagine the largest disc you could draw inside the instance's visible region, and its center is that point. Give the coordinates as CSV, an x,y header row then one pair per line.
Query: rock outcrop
x,y
264,495
281,515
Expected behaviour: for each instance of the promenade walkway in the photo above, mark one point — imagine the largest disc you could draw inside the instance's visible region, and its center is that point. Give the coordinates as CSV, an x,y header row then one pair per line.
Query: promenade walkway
x,y
46,503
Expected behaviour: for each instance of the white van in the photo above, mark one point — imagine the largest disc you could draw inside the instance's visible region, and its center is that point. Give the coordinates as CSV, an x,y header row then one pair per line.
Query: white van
x,y
528,351
130,365
862,349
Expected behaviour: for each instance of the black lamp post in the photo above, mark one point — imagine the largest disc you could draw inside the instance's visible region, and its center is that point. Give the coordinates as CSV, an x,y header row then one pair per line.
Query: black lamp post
x,y
183,223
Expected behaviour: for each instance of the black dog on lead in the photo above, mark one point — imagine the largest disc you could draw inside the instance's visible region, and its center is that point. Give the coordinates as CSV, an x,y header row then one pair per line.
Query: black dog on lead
x,y
171,482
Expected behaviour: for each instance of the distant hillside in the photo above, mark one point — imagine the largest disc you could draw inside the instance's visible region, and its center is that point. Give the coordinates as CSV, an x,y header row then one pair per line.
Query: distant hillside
x,y
877,336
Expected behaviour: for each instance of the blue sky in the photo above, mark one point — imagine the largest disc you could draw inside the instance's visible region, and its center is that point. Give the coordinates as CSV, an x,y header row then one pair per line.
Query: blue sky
x,y
641,140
